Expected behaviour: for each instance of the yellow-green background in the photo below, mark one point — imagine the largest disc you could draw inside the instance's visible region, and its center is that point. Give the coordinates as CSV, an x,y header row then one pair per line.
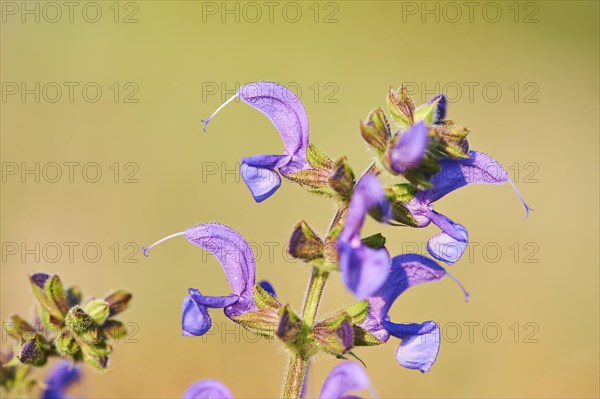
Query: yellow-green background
x,y
170,52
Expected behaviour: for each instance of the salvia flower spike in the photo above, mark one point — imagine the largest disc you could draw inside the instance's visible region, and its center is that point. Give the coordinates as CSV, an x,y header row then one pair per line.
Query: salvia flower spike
x,y
428,150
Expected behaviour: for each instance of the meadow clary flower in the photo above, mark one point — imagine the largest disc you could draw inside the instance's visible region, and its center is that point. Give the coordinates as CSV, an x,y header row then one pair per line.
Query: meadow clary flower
x,y
479,168
236,258
59,379
363,269
288,115
420,342
345,377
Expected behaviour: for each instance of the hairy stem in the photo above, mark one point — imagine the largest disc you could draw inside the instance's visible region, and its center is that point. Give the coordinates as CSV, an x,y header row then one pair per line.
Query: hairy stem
x,y
313,295
294,379
298,361
298,364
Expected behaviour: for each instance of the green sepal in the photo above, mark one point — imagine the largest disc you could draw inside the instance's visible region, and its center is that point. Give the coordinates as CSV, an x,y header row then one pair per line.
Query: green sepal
x,y
114,329
376,130
55,292
19,329
362,337
398,195
335,335
99,349
118,301
289,328
265,301
401,107
309,178
342,179
357,313
304,243
98,310
97,362
426,112
456,150
49,293
66,345
318,159
259,323
375,241
324,192
46,319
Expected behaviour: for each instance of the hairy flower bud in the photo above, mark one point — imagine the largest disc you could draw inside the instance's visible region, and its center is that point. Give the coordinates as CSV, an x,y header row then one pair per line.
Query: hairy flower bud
x,y
118,301
304,243
376,130
342,178
35,351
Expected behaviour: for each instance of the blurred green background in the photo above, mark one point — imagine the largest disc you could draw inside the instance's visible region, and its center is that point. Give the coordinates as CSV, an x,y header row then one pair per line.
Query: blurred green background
x,y
522,75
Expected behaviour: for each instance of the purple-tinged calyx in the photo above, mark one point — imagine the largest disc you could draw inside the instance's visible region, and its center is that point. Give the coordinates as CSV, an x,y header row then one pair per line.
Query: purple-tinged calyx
x,y
420,342
363,269
285,110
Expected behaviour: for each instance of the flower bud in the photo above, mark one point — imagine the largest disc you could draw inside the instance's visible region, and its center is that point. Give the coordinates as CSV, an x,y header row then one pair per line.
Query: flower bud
x,y
82,325
336,336
118,301
290,325
401,107
114,329
66,345
19,328
49,292
305,243
342,178
376,130
98,310
35,351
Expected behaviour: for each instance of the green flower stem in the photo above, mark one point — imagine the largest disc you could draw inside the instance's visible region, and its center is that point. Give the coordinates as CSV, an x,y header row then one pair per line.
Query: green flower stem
x,y
313,295
298,364
295,377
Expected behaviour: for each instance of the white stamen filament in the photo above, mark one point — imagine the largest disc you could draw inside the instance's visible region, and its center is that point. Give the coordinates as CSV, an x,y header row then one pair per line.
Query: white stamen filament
x,y
462,287
147,249
527,208
205,121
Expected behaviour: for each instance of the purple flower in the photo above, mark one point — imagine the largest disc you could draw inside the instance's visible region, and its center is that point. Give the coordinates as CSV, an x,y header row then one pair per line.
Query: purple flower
x,y
363,269
409,149
420,342
449,245
344,378
208,389
288,115
236,258
59,379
